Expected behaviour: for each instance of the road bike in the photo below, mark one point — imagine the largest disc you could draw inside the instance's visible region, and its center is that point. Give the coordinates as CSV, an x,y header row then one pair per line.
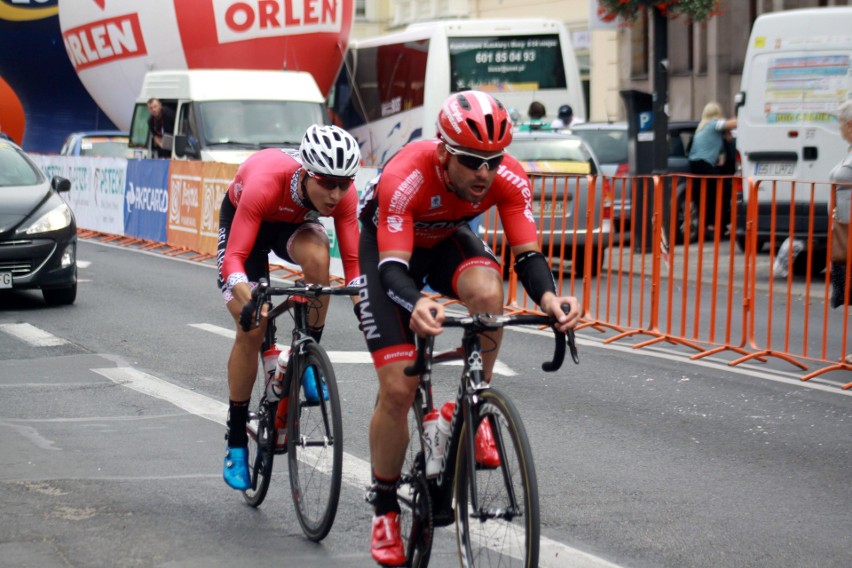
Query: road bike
x,y
314,433
495,509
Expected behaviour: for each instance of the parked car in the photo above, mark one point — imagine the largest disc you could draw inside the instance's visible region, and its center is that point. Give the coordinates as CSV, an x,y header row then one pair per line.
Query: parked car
x,y
560,163
38,233
97,143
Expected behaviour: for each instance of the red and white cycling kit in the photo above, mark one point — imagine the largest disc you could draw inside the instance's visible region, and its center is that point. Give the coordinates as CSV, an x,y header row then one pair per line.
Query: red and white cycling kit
x,y
411,209
264,208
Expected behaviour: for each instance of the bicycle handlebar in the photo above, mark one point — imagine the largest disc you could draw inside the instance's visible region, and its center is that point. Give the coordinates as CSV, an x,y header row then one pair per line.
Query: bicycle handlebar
x,y
262,293
486,322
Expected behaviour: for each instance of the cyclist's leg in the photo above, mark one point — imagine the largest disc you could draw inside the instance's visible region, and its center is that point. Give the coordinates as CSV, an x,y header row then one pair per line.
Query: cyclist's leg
x,y
465,269
470,273
307,245
385,327
242,362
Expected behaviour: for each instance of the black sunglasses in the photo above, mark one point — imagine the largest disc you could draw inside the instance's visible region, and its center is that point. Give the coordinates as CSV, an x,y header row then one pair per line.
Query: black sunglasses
x,y
473,161
332,183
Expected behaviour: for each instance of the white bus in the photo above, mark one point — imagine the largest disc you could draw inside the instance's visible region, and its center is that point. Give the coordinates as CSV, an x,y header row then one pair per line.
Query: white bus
x,y
390,88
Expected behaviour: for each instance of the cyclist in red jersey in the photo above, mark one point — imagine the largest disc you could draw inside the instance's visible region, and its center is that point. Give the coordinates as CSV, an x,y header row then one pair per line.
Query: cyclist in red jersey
x,y
274,203
415,232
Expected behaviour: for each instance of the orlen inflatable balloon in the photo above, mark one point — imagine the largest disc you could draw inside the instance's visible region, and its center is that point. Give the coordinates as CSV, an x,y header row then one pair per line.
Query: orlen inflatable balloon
x,y
113,43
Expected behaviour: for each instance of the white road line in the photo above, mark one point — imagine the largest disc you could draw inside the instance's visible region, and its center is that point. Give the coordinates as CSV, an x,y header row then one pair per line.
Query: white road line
x,y
83,264
346,357
356,472
32,335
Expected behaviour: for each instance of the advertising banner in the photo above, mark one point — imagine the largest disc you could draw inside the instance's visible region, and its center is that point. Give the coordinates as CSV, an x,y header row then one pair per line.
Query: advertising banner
x,y
184,204
146,199
216,179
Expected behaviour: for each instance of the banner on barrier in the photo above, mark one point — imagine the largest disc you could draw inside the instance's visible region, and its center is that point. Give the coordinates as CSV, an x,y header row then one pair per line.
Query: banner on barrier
x,y
146,199
184,203
215,181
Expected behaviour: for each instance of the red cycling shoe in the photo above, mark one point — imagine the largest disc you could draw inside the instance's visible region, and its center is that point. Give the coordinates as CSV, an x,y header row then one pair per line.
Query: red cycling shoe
x,y
485,449
386,543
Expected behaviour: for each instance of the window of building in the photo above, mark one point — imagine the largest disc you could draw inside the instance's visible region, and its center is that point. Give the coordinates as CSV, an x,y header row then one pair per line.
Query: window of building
x,y
639,47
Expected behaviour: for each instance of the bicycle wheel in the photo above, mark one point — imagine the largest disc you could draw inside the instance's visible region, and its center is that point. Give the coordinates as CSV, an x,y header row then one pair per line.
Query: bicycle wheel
x,y
416,526
261,443
315,445
497,512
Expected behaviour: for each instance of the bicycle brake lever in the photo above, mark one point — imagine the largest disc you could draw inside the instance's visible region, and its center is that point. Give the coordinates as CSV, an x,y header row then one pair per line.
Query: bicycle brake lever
x,y
572,346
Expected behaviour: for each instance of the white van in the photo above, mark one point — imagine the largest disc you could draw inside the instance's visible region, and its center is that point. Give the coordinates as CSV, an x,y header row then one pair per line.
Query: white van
x,y
224,115
796,73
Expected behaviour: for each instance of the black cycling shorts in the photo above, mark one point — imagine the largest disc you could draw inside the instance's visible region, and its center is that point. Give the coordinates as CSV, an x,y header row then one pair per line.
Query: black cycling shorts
x,y
385,323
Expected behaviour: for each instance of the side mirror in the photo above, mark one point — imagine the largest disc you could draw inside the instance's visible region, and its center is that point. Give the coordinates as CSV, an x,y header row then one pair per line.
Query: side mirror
x,y
60,184
186,147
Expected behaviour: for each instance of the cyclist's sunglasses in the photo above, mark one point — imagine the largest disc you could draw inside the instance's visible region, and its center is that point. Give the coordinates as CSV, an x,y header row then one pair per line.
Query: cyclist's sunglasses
x,y
474,161
332,183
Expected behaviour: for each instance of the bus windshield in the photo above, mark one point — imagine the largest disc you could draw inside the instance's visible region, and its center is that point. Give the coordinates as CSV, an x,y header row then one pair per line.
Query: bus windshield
x,y
517,63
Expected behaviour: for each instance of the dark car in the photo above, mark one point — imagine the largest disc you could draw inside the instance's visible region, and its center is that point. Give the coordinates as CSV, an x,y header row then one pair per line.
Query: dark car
x,y
38,233
97,143
609,143
562,168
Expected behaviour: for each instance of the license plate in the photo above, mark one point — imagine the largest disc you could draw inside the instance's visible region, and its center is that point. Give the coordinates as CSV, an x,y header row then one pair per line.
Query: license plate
x,y
775,168
547,207
5,279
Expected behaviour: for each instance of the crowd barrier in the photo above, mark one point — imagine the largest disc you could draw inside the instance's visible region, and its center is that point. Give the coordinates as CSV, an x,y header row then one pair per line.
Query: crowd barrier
x,y
674,268
651,271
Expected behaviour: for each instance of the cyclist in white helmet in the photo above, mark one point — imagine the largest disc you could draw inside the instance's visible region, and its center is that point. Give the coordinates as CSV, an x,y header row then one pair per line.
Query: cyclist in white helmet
x,y
274,203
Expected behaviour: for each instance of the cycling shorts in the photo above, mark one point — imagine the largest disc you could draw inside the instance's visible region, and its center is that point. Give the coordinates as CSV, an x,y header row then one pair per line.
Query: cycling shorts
x,y
275,237
384,322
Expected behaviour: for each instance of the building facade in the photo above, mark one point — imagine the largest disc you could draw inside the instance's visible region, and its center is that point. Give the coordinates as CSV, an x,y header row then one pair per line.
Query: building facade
x,y
705,60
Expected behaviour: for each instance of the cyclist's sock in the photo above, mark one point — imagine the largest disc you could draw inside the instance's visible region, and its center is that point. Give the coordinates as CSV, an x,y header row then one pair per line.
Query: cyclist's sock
x,y
383,495
316,332
237,418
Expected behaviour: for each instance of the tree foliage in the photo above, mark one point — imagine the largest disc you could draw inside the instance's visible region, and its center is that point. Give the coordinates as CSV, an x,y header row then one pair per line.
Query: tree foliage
x,y
629,10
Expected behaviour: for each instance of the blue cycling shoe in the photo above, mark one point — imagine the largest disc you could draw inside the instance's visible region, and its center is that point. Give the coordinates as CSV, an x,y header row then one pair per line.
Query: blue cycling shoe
x,y
309,383
236,471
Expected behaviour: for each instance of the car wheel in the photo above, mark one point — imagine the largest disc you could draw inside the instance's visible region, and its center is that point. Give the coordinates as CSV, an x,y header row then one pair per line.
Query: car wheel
x,y
60,296
681,227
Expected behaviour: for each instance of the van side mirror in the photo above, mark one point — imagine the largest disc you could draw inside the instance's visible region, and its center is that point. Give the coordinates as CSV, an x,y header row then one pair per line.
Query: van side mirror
x,y
185,147
739,100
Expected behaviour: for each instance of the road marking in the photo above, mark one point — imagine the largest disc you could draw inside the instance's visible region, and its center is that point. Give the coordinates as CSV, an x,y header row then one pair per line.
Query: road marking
x,y
83,264
346,357
356,472
32,335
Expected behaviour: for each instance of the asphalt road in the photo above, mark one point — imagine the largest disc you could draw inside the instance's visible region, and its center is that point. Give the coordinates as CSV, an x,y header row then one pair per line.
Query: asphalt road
x,y
112,421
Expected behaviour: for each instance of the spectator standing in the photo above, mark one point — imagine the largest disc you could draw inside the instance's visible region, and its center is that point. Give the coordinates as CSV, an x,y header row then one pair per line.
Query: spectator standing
x,y
160,123
563,119
536,121
707,156
842,174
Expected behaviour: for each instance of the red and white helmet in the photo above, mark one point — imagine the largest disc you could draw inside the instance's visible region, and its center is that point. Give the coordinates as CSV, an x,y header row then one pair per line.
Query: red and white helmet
x,y
475,120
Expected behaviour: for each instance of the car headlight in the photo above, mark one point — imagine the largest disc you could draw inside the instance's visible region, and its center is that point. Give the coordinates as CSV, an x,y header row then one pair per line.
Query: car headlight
x,y
57,218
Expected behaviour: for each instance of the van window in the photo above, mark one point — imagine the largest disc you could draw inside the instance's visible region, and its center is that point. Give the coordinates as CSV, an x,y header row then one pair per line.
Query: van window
x,y
257,123
139,126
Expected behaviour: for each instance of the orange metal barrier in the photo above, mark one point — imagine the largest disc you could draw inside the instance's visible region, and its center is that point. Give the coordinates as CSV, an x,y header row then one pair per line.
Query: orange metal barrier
x,y
673,279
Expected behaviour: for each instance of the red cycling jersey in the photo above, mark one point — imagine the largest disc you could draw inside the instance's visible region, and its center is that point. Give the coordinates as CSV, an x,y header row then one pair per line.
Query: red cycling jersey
x,y
266,189
416,209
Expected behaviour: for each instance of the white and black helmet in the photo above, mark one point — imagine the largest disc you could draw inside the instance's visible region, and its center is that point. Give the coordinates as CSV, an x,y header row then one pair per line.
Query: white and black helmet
x,y
330,151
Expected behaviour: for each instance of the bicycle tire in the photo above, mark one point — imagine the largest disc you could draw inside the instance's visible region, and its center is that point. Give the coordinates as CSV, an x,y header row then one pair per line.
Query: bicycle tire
x,y
261,444
315,447
498,533
416,521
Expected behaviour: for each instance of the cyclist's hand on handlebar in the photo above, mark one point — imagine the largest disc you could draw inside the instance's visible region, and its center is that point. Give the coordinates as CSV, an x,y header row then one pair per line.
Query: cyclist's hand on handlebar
x,y
427,318
247,315
553,307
